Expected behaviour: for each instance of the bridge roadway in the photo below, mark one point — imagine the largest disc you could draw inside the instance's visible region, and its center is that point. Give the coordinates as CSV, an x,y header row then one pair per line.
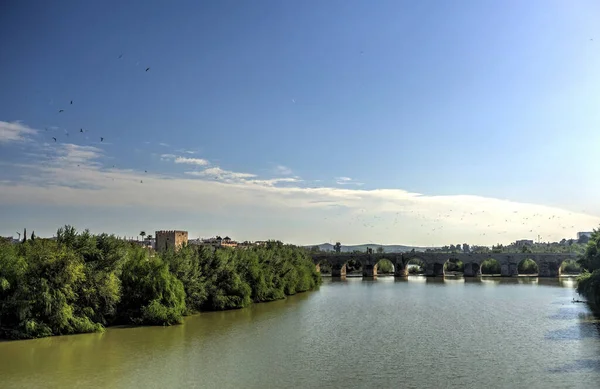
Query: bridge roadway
x,y
548,264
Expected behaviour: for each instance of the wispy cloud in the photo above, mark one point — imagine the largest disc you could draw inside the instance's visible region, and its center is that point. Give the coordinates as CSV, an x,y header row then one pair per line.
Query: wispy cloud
x,y
167,157
347,181
283,170
218,173
71,178
184,160
192,161
164,144
15,132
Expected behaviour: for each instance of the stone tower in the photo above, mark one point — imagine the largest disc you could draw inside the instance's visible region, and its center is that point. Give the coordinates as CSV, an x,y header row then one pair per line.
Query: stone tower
x,y
170,240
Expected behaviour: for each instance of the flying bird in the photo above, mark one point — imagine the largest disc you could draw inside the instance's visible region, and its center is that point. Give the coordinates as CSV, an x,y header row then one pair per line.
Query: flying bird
x,y
61,110
101,139
81,130
147,69
71,102
120,56
54,138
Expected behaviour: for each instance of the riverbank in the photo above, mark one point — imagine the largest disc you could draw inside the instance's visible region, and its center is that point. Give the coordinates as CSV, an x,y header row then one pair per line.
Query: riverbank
x,y
83,283
588,285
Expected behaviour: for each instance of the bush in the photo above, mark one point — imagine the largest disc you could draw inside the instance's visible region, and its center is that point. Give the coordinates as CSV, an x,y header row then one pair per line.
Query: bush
x,y
490,266
151,294
570,267
527,266
385,266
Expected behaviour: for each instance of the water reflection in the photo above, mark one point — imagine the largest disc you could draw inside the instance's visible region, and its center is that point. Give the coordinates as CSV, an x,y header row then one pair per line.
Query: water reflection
x,y
565,282
305,341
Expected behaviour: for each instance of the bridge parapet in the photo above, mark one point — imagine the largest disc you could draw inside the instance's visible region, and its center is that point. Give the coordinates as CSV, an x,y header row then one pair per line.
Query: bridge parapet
x,y
548,264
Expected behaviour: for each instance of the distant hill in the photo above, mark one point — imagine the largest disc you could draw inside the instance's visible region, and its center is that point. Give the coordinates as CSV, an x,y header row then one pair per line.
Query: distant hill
x,y
392,248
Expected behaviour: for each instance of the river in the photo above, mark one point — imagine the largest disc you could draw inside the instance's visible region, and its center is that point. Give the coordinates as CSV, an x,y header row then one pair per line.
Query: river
x,y
353,333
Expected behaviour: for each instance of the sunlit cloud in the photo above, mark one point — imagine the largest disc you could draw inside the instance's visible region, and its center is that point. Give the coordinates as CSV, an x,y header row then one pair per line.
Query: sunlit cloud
x,y
283,170
192,161
72,177
347,181
218,173
15,132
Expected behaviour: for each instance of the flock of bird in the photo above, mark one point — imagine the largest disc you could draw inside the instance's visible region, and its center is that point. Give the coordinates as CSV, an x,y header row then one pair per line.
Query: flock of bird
x,y
55,138
81,130
532,221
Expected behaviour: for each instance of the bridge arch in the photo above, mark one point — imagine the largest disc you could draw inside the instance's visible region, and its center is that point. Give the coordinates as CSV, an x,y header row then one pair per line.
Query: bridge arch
x,y
490,267
415,266
323,266
453,266
569,267
384,266
528,266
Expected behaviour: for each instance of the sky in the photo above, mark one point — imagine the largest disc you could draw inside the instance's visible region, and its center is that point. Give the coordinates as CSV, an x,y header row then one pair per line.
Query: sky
x,y
394,122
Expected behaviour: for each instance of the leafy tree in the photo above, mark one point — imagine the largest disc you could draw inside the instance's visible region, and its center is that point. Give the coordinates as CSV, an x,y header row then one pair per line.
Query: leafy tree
x,y
490,266
527,266
380,250
385,266
590,260
151,294
338,247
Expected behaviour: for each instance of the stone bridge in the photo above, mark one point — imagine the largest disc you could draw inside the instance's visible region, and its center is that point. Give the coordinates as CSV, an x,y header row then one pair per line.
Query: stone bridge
x,y
548,264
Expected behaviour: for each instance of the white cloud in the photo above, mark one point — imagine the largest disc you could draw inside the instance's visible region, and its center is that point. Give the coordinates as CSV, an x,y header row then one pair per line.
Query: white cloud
x,y
68,153
347,181
167,157
283,170
164,144
218,173
71,179
296,214
192,161
15,132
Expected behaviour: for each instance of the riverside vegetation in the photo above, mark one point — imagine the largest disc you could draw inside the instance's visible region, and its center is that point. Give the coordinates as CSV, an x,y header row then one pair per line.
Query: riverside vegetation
x,y
81,282
588,284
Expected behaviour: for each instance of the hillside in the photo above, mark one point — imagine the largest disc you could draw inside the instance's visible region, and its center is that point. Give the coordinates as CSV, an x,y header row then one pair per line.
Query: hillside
x,y
393,248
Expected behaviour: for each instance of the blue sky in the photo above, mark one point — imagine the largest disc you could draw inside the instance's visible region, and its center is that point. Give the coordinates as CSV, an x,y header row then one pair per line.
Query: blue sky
x,y
293,120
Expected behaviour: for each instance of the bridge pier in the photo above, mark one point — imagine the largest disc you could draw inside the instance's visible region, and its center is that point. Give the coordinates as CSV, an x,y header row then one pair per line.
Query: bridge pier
x,y
338,270
471,270
400,270
434,270
369,270
513,269
549,269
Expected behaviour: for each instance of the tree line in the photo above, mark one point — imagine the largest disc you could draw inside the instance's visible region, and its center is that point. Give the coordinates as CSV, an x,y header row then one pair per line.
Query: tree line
x,y
588,283
81,282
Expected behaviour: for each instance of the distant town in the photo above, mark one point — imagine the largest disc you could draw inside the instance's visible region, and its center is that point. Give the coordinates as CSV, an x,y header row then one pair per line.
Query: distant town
x,y
167,239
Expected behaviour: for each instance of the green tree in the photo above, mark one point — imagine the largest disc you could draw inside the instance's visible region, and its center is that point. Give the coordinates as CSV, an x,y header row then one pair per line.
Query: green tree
x,y
490,266
338,247
527,266
380,250
385,266
151,294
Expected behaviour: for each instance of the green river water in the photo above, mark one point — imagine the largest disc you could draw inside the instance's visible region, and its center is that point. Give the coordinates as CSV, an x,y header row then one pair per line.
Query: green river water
x,y
353,333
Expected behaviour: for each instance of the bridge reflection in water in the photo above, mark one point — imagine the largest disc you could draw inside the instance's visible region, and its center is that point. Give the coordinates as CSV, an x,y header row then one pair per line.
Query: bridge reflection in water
x,y
564,282
549,265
